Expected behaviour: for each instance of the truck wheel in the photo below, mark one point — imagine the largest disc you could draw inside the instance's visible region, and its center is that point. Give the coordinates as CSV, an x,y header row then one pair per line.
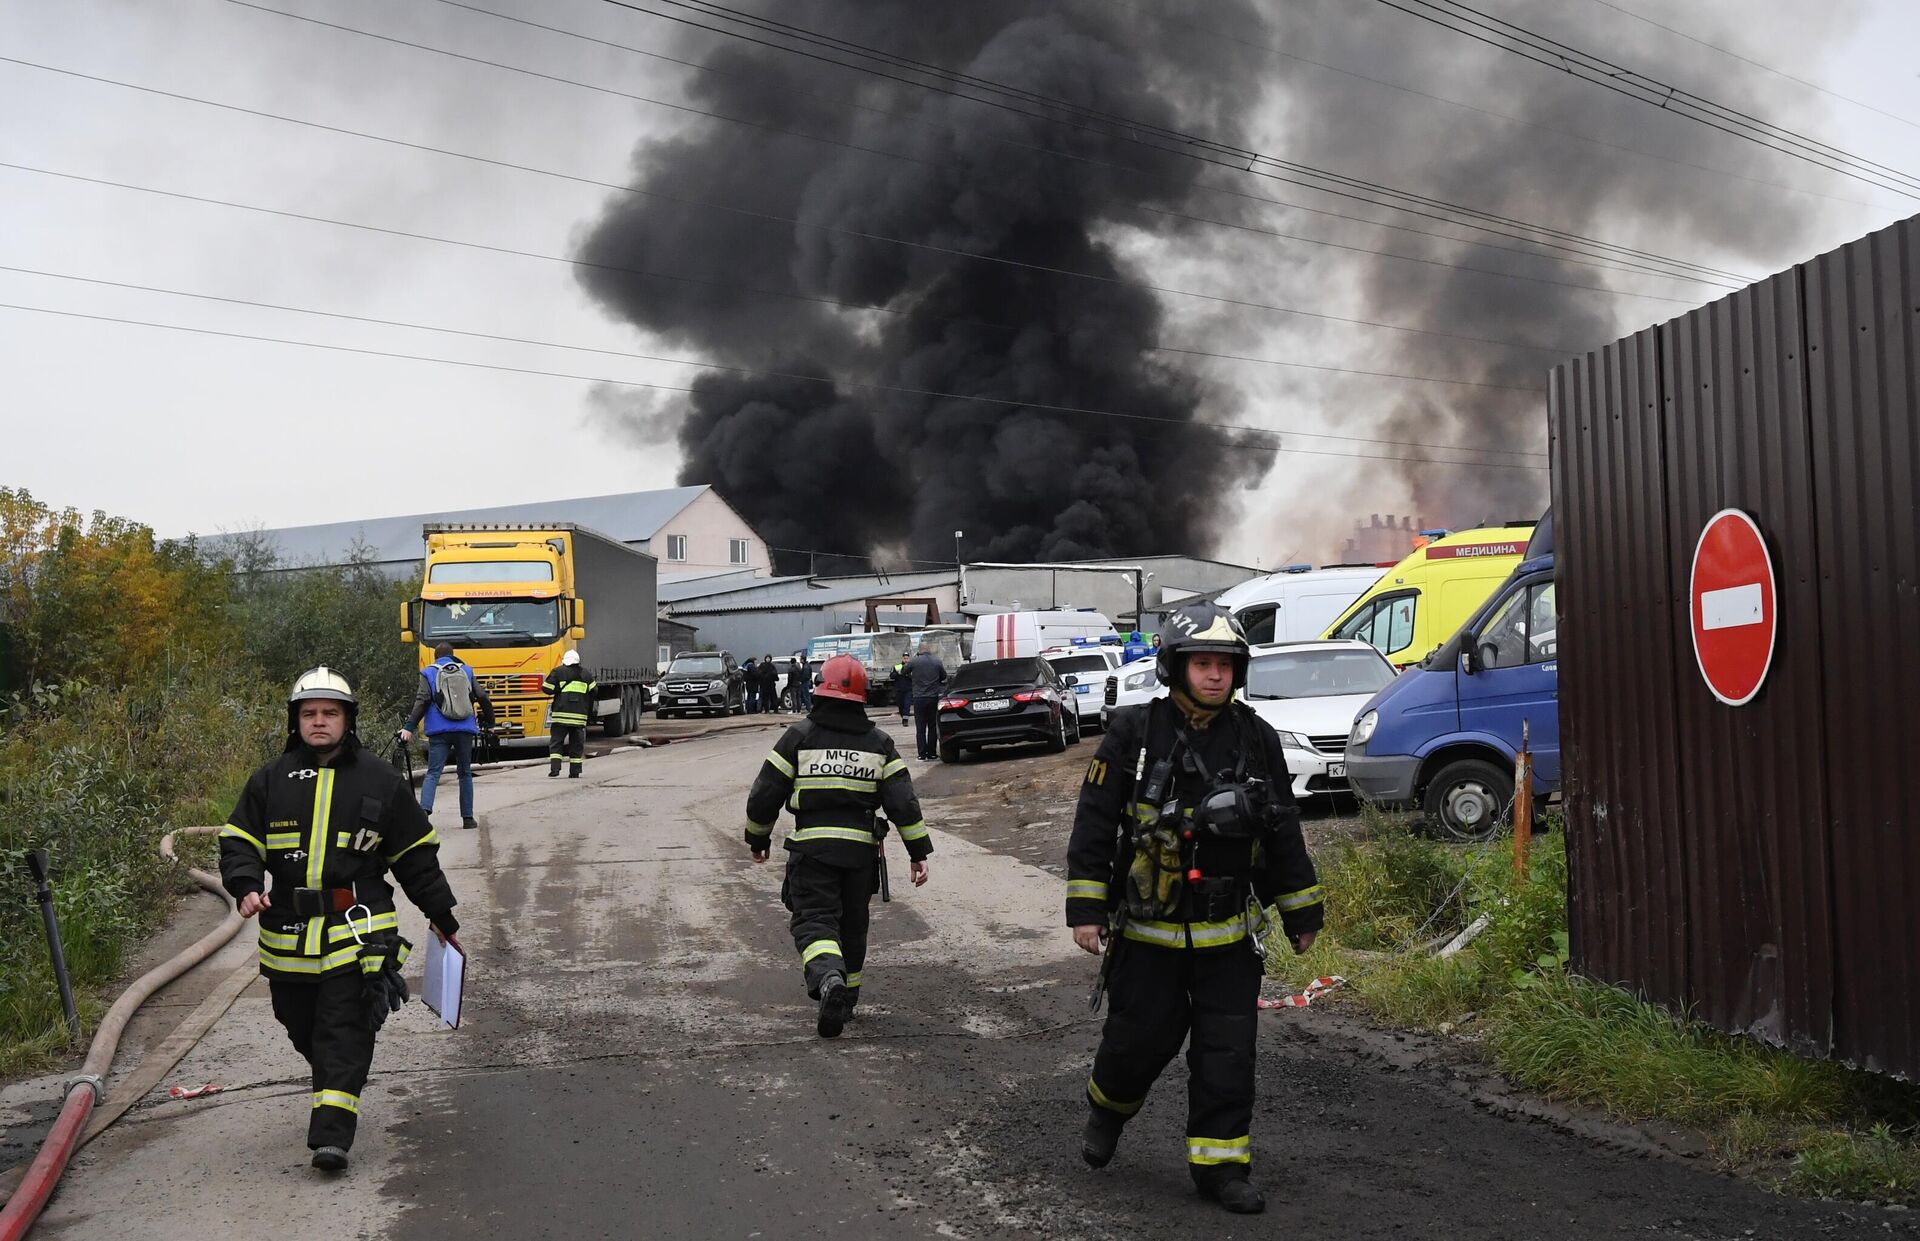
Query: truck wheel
x,y
1469,800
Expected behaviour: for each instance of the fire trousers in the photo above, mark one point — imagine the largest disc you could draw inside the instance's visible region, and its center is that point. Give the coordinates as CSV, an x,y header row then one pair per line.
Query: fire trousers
x,y
569,740
830,918
326,1018
1160,997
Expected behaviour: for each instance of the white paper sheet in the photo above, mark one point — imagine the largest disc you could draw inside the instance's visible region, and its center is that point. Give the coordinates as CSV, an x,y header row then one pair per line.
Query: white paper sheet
x,y
446,980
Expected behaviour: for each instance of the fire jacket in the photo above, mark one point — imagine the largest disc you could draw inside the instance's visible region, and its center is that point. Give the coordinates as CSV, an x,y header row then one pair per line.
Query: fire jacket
x,y
834,770
345,826
572,688
1277,870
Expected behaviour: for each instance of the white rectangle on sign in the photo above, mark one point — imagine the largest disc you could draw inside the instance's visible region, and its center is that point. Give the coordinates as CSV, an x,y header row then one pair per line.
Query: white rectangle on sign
x,y
1731,608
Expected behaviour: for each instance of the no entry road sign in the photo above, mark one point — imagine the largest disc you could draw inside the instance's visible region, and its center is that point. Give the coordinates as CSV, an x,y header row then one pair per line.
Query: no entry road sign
x,y
1734,608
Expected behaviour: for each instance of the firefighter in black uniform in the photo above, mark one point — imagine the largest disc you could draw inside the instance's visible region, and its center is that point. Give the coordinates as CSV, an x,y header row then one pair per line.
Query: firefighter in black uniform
x,y
1186,833
327,821
834,769
572,688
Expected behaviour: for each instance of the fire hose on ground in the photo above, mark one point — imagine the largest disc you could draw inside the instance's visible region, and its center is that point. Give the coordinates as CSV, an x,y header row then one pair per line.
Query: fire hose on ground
x,y
85,1090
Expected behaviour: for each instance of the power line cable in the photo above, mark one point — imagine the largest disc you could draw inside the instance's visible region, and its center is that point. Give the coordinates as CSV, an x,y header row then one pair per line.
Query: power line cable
x,y
1185,26
1186,145
546,172
1586,67
755,372
856,105
1748,60
708,282
1205,428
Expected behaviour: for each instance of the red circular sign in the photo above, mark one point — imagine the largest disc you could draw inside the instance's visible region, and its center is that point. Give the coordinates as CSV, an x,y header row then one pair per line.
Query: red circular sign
x,y
1732,607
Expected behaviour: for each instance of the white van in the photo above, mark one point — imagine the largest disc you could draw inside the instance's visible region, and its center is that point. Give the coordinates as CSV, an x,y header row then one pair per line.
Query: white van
x,y
1296,604
1018,635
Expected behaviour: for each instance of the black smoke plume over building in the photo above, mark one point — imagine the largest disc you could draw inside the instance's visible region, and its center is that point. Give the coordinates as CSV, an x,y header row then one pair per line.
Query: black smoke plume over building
x,y
834,454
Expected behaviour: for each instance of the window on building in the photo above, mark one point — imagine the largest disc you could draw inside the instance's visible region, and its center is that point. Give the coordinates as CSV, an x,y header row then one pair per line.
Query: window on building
x,y
677,547
736,551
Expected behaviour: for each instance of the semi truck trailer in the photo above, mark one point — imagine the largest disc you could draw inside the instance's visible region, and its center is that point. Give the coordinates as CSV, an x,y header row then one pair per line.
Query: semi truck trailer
x,y
514,599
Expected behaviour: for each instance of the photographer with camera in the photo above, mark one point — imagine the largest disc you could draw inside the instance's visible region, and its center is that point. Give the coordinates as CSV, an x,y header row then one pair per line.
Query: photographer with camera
x,y
1186,833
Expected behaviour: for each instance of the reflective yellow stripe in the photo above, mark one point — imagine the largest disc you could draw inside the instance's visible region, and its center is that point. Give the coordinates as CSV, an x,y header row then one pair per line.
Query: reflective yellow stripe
x,y
1086,890
372,962
573,718
308,965
759,829
236,833
287,941
284,840
853,979
576,687
780,764
805,783
1176,934
379,922
337,1098
341,839
1219,1150
820,947
856,834
912,831
1301,899
894,768
1099,1097
431,838
318,831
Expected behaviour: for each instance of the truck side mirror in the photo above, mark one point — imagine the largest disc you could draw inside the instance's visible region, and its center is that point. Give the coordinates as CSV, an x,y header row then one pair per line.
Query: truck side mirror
x,y
406,621
1468,664
577,628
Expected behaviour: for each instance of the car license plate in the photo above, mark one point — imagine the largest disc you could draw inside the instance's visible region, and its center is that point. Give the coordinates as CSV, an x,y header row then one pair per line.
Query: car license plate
x,y
1337,770
1083,689
991,704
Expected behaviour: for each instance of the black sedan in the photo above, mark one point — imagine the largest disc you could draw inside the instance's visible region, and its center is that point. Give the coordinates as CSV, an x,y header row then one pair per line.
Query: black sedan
x,y
1003,701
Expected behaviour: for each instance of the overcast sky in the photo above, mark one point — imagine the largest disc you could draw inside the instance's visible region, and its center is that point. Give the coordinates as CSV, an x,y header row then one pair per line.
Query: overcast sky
x,y
193,431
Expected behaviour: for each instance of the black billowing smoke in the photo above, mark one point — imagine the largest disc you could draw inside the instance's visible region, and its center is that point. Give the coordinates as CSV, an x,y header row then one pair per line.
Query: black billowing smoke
x,y
837,456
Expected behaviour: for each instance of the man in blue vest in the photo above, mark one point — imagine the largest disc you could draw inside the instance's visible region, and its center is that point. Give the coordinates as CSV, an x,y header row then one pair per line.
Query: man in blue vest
x,y
450,701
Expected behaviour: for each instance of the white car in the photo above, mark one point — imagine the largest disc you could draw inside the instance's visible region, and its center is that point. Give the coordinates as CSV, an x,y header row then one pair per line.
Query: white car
x,y
1129,685
1310,692
1090,664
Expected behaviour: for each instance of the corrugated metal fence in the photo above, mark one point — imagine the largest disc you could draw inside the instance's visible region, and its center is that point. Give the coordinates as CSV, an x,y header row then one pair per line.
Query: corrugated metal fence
x,y
1756,866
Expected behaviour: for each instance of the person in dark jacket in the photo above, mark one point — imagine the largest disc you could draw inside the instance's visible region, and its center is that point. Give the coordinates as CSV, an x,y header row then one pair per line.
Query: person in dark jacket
x,y
328,822
448,735
928,677
834,770
1186,833
799,691
572,688
769,684
903,693
750,687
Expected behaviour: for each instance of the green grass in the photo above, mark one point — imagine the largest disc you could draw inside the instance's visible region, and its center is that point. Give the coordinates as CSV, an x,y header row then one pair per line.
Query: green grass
x,y
1805,1126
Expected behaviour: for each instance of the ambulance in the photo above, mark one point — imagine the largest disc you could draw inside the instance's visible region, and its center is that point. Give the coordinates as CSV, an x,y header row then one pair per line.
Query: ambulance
x,y
1423,600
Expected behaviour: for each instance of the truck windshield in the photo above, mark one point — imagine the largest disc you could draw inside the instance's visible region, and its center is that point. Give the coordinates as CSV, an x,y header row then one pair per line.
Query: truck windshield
x,y
1316,674
490,571
491,622
697,665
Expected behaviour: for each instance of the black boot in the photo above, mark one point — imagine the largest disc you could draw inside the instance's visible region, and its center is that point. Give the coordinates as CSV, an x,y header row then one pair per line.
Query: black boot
x,y
833,1007
553,771
330,1159
1101,1136
573,773
1234,1192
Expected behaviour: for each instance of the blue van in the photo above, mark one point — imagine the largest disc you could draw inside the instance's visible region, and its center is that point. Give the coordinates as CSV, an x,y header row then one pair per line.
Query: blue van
x,y
1445,734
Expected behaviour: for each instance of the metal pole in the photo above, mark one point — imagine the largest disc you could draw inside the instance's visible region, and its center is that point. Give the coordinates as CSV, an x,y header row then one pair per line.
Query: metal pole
x,y
37,866
1523,802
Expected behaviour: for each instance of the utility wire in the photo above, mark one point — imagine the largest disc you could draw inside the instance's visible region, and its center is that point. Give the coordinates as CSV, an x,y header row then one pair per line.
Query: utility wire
x,y
1461,19
1187,27
1233,438
1076,157
708,282
756,372
546,172
1187,145
1748,60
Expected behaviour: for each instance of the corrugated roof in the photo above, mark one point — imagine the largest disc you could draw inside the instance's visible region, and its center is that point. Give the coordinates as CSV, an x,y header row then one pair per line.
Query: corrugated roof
x,y
631,517
798,593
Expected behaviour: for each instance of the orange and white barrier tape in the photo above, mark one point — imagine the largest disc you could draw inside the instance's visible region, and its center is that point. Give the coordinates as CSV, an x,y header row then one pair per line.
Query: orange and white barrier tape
x,y
1315,989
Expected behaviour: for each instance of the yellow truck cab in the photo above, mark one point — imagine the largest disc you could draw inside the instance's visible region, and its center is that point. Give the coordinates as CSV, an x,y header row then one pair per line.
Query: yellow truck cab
x,y
513,600
1423,600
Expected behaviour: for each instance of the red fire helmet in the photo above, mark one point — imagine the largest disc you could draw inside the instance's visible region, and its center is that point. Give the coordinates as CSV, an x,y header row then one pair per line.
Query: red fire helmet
x,y
843,676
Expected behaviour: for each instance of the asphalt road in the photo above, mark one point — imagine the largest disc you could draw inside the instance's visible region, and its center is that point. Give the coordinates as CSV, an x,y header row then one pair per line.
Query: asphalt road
x,y
638,1060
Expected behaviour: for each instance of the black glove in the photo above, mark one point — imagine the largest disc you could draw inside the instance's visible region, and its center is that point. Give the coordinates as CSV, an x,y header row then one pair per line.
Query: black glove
x,y
386,989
